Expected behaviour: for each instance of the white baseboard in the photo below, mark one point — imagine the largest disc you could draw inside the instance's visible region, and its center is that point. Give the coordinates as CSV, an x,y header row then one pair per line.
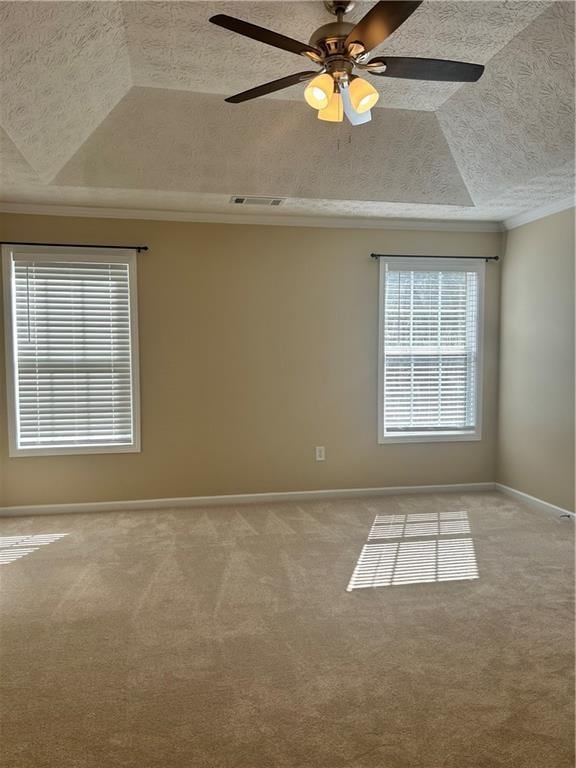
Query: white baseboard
x,y
544,506
262,498
242,498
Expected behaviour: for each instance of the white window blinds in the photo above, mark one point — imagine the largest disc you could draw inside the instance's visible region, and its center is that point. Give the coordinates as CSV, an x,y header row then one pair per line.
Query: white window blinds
x,y
73,376
430,355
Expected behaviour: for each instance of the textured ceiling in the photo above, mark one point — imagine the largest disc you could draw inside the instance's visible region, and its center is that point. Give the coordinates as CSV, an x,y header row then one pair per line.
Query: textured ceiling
x,y
63,66
200,57
518,122
120,104
414,163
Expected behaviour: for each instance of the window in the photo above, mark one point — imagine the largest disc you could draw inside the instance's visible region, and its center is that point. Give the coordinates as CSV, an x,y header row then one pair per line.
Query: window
x,y
430,349
72,354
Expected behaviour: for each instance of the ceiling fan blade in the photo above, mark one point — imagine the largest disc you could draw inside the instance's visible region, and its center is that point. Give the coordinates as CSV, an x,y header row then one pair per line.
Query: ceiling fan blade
x,y
273,85
266,36
426,69
380,22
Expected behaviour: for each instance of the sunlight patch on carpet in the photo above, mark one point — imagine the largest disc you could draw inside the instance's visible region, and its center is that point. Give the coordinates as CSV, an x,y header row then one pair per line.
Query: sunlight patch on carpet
x,y
428,524
15,547
415,562
400,550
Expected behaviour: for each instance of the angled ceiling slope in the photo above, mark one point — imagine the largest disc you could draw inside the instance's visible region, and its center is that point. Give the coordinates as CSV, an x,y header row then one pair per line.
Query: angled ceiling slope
x,y
63,66
518,123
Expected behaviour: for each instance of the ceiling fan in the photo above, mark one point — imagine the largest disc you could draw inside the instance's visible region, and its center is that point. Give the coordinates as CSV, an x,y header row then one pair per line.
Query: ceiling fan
x,y
339,48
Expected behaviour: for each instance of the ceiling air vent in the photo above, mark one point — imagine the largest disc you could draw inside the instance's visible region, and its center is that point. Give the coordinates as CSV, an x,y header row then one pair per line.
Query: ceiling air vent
x,y
257,200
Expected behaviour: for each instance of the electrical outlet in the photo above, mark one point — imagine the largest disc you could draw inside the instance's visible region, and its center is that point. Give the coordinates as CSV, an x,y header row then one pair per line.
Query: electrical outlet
x,y
320,453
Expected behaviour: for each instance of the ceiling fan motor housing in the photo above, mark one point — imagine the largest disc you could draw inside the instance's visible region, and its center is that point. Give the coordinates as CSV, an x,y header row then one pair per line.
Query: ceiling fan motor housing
x,y
331,38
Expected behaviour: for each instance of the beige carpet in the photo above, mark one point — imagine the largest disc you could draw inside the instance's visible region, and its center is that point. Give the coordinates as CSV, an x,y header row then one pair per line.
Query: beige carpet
x,y
226,638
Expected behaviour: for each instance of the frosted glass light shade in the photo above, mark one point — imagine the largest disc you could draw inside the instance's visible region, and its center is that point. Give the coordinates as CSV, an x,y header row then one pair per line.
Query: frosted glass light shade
x,y
363,95
319,91
334,112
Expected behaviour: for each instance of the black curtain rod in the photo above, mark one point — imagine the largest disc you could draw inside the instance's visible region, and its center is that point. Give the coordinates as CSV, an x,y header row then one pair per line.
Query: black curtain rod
x,y
80,245
415,256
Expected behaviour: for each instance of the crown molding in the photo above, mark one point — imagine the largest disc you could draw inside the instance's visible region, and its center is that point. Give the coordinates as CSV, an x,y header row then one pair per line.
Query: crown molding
x,y
539,213
286,220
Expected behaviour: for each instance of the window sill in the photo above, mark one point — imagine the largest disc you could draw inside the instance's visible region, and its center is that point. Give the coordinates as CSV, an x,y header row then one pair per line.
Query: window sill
x,y
431,438
70,450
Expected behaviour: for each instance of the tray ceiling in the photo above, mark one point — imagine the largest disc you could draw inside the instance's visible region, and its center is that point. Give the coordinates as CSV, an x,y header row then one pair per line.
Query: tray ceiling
x,y
120,104
406,152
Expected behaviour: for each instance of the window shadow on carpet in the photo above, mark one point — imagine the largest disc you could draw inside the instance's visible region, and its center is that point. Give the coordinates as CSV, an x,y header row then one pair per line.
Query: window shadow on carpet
x,y
440,553
15,547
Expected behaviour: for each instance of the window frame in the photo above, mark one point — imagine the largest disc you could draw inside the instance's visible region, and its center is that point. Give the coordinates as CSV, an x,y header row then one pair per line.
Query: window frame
x,y
441,265
106,255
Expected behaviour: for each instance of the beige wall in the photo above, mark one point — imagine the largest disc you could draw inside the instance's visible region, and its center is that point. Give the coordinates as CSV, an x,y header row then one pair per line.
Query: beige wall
x,y
257,343
536,413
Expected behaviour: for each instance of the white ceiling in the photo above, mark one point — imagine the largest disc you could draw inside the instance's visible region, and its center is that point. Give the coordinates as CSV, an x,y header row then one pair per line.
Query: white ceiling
x,y
264,149
121,104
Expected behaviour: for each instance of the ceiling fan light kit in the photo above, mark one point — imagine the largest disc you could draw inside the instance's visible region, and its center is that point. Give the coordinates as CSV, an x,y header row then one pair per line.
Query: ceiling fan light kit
x,y
339,48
